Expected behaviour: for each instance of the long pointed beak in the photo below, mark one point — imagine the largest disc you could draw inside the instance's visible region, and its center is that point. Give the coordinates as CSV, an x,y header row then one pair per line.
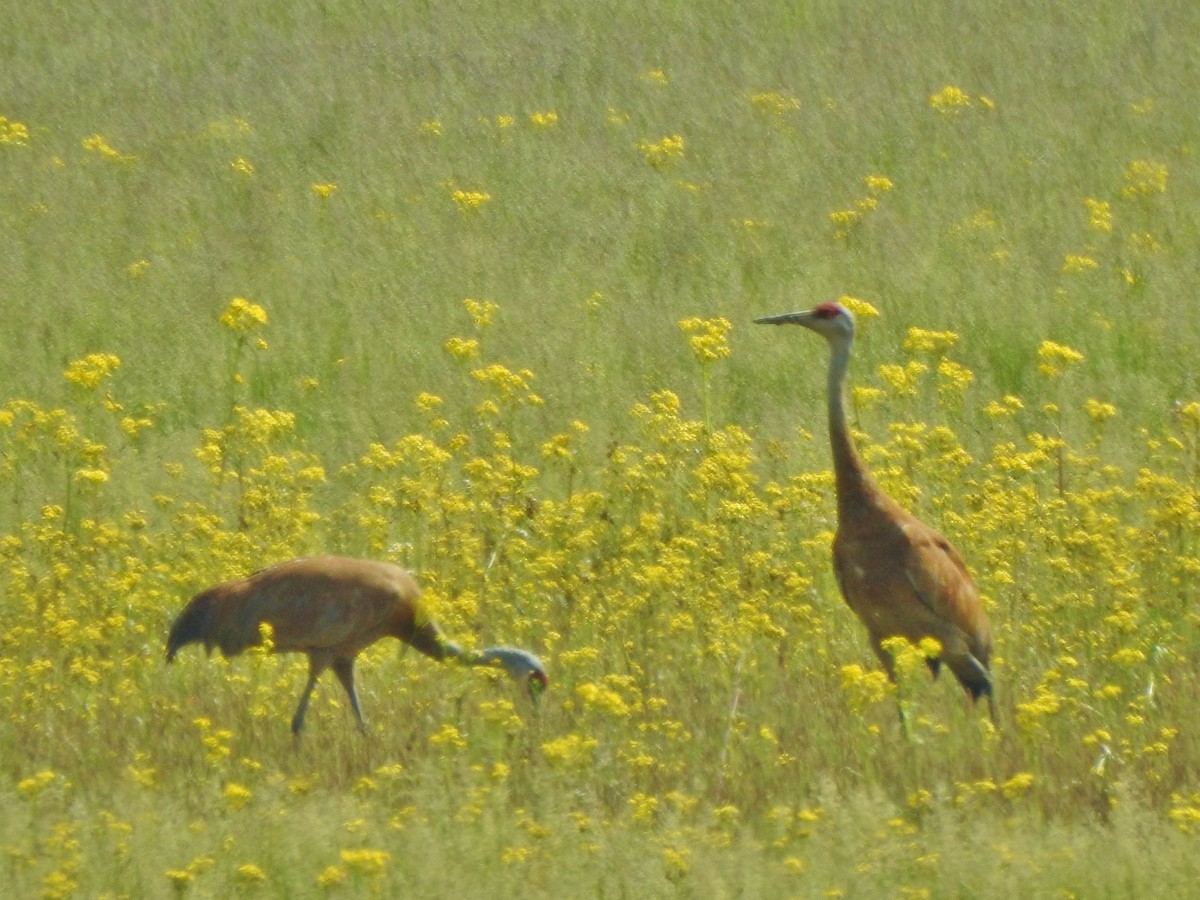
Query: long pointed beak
x,y
536,687
792,318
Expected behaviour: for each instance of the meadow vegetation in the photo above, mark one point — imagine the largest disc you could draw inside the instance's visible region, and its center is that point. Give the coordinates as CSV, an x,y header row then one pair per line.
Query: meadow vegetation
x,y
470,289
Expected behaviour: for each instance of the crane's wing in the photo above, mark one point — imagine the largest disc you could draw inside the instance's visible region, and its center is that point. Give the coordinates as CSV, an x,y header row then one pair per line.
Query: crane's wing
x,y
941,582
313,610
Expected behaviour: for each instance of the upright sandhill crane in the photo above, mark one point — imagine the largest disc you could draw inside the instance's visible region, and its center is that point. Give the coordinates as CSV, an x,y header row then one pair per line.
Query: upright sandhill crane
x,y
331,608
901,577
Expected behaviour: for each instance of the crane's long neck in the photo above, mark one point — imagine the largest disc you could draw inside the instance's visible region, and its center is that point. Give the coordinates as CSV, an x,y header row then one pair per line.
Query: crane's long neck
x,y
855,486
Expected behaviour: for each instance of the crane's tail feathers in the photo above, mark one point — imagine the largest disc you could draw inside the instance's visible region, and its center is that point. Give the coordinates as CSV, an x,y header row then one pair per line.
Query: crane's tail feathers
x,y
190,627
974,676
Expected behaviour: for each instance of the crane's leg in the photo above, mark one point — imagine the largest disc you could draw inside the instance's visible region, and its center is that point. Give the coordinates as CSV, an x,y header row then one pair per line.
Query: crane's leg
x,y
889,666
302,708
344,670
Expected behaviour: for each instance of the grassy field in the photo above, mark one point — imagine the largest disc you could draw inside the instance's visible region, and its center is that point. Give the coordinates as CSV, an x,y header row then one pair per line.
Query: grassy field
x,y
471,289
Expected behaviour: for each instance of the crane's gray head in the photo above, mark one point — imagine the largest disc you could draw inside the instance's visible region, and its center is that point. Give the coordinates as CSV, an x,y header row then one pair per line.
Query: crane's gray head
x,y
831,320
521,666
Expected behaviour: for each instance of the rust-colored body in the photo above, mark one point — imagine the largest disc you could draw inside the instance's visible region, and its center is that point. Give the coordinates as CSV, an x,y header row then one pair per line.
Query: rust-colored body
x,y
330,608
898,575
902,578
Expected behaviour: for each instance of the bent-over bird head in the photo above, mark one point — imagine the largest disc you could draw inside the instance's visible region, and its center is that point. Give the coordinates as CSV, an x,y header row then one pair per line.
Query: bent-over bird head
x,y
831,320
521,666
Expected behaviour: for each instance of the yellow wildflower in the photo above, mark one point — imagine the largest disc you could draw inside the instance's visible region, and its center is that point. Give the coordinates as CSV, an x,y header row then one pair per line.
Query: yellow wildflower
x,y
236,796
843,221
645,807
955,379
570,750
13,132
1144,178
92,369
878,184
921,341
663,153
179,878
98,145
1078,262
774,103
449,737
462,348
481,312
1017,785
950,100
366,862
903,380
1055,359
675,861
860,309
241,316
35,784
1098,411
250,874
707,337
469,200
331,876
1100,217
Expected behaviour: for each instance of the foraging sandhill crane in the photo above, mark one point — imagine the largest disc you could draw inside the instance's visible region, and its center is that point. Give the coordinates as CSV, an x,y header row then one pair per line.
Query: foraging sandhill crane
x,y
331,608
901,577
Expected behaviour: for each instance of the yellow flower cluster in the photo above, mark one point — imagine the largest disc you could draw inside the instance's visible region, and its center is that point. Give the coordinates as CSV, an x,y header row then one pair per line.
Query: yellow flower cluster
x,y
242,316
467,201
664,153
1056,359
92,369
920,340
1144,178
774,103
99,145
951,101
846,221
707,337
13,132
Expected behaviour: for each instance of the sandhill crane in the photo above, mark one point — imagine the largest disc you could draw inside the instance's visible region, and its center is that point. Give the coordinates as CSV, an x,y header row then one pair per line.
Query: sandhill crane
x,y
331,608
901,577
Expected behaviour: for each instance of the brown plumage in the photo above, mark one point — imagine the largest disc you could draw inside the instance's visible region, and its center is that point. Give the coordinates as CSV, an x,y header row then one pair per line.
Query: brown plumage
x,y
331,608
901,577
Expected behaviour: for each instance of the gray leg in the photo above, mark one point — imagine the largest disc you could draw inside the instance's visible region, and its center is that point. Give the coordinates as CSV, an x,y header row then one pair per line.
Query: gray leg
x,y
344,670
302,708
889,666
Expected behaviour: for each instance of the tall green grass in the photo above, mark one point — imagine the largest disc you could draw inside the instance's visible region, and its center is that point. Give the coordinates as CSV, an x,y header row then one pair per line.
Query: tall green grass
x,y
671,562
